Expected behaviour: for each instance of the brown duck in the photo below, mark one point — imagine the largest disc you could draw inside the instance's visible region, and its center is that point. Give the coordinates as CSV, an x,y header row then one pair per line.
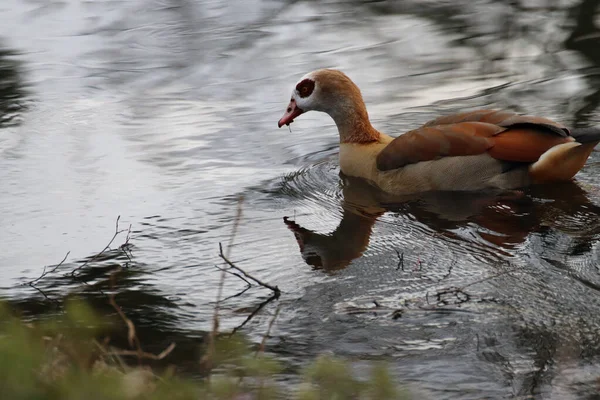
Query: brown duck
x,y
466,151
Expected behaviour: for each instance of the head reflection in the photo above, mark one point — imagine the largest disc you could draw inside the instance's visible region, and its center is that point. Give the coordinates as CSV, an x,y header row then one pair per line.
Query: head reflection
x,y
501,220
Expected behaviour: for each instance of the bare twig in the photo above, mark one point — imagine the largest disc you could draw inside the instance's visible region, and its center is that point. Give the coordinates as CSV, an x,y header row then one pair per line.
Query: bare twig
x,y
47,272
107,247
125,247
248,284
253,314
275,289
233,273
56,302
237,294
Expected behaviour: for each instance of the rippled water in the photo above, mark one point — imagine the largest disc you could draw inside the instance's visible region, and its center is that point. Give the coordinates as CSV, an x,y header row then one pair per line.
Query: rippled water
x,y
164,112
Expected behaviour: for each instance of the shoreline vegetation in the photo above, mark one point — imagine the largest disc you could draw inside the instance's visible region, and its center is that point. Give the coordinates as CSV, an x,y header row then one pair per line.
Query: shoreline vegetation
x,y
71,355
68,358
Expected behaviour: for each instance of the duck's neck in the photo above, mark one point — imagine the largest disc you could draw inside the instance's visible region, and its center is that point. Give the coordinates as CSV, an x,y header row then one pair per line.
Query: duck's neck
x,y
353,123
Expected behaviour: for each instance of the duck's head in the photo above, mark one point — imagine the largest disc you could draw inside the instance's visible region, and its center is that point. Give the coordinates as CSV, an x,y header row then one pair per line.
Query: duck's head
x,y
326,90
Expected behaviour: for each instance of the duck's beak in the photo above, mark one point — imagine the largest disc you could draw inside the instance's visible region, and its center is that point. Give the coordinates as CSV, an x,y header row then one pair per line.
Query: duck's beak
x,y
291,112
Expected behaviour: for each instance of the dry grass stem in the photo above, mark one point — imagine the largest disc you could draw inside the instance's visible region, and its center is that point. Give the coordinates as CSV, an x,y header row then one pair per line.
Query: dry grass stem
x,y
236,224
261,348
132,337
207,358
143,354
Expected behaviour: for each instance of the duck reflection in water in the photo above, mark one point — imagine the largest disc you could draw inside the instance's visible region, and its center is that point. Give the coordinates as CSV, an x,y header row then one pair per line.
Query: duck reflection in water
x,y
502,219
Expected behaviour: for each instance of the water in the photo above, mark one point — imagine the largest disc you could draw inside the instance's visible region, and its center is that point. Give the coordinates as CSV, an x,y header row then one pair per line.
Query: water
x,y
164,112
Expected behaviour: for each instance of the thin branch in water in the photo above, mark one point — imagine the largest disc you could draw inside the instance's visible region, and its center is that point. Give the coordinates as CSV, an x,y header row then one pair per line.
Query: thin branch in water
x,y
237,294
275,289
234,274
107,247
248,284
253,314
125,247
47,272
56,302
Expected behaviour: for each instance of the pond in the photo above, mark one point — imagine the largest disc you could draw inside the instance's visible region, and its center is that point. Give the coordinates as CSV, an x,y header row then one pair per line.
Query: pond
x,y
164,112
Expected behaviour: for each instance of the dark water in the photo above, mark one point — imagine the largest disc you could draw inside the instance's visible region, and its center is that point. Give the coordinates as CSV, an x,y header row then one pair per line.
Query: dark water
x,y
164,112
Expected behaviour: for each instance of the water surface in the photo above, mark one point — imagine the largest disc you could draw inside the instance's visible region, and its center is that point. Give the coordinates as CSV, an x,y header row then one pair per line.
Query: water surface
x,y
164,112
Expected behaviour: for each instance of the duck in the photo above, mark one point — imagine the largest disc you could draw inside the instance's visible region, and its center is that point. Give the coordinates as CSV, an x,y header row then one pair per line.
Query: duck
x,y
467,151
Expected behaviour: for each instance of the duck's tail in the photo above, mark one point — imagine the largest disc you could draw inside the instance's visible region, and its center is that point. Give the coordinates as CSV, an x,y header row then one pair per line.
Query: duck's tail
x,y
586,135
562,162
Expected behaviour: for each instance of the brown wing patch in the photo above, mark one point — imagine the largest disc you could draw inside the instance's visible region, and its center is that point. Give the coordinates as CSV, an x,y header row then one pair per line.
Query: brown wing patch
x,y
505,119
505,135
524,145
487,116
432,142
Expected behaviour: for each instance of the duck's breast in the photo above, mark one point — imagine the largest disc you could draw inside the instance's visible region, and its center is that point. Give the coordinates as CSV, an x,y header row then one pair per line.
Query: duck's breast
x,y
359,159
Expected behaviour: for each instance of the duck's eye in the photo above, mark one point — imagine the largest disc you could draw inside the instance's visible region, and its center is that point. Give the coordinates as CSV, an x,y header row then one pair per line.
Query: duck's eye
x,y
306,87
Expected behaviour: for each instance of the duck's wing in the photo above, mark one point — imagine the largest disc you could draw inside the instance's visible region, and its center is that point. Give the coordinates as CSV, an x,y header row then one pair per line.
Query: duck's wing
x,y
503,135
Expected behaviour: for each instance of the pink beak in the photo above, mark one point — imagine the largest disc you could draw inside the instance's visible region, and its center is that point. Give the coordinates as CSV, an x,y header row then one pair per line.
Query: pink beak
x,y
291,112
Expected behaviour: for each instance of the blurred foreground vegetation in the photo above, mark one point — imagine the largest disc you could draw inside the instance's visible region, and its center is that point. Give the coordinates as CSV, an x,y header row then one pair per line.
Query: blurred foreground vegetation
x,y
70,356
